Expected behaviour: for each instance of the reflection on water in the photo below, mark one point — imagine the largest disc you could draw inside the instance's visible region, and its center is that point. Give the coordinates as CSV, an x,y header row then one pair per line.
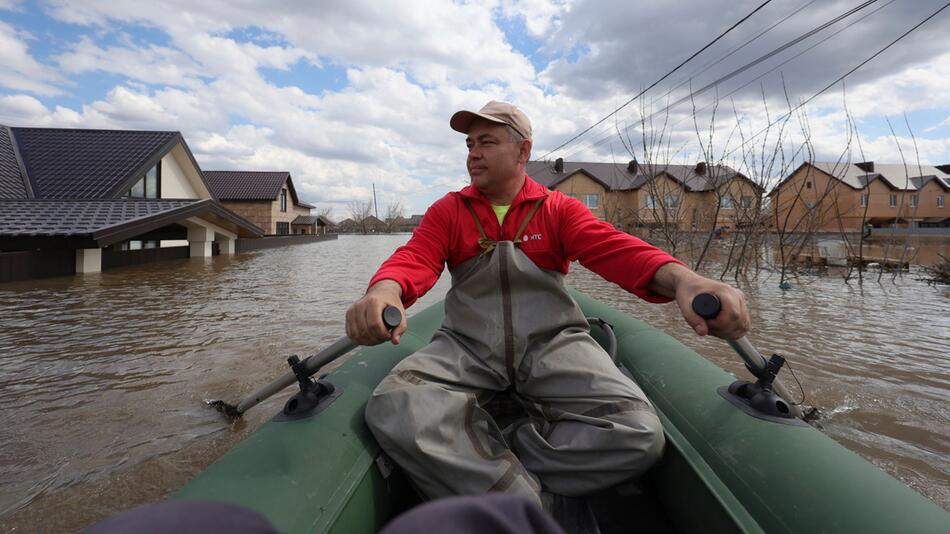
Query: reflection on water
x,y
103,377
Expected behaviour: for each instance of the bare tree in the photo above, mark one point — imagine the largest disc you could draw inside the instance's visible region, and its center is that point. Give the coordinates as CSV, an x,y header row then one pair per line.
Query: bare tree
x,y
326,213
359,211
394,216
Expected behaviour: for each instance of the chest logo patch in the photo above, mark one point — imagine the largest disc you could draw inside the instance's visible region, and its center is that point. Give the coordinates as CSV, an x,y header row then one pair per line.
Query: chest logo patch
x,y
531,237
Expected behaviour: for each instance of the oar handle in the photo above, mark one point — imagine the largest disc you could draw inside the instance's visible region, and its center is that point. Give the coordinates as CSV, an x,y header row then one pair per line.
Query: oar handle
x,y
392,317
708,306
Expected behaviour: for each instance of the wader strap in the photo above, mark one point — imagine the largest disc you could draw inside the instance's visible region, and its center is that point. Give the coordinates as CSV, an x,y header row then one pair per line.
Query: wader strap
x,y
524,223
486,244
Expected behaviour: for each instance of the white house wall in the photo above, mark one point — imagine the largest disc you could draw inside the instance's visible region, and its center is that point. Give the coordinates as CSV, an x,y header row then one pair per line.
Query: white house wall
x,y
180,178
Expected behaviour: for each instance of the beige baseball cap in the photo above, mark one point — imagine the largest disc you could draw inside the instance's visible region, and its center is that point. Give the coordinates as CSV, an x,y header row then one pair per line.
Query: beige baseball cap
x,y
495,111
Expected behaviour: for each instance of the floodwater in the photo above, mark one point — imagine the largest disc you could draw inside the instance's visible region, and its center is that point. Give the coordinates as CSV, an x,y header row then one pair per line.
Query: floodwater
x,y
103,377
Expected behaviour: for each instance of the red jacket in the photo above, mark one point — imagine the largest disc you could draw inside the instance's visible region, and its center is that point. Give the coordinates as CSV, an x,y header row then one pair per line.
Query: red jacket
x,y
562,230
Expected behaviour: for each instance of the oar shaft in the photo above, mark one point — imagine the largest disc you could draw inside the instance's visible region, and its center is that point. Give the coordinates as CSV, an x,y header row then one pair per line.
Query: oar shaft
x,y
312,364
707,306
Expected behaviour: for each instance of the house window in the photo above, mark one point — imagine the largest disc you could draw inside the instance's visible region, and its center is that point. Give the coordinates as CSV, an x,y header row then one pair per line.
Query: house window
x,y
148,186
807,185
745,202
672,201
893,201
283,200
590,201
650,201
283,228
939,201
913,201
864,201
726,203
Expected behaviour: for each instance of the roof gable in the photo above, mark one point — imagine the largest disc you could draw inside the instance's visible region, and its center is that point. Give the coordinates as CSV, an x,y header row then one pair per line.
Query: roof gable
x,y
86,164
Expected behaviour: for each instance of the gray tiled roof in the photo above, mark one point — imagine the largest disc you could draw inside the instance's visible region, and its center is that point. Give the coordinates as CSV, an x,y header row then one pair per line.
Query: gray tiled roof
x,y
616,177
897,176
106,221
11,182
74,164
246,185
77,217
306,219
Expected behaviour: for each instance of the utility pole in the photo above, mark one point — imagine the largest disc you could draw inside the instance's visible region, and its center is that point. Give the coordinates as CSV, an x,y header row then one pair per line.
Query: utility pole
x,y
375,205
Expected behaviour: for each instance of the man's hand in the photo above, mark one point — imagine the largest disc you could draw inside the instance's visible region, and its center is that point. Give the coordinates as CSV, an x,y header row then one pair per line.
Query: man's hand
x,y
733,321
364,319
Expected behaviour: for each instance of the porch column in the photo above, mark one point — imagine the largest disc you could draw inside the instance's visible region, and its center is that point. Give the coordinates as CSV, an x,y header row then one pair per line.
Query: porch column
x,y
226,245
88,260
199,239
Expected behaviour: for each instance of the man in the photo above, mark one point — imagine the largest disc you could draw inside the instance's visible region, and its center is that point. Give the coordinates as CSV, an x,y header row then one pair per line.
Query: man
x,y
510,325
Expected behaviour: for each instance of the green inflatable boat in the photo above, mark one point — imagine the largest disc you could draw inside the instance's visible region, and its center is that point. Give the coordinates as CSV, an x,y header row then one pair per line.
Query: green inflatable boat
x,y
725,469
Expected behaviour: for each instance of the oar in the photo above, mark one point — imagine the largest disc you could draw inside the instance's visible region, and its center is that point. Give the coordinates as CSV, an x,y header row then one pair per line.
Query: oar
x,y
707,306
391,318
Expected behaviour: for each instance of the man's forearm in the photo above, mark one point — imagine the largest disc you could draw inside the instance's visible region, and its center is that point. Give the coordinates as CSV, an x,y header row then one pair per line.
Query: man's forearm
x,y
668,277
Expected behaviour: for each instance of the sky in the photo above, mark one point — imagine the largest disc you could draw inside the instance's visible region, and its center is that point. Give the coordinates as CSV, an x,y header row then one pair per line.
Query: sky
x,y
348,94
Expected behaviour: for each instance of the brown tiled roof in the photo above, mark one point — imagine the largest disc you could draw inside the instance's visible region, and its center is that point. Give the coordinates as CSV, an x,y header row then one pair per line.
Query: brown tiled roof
x,y
11,182
109,221
74,164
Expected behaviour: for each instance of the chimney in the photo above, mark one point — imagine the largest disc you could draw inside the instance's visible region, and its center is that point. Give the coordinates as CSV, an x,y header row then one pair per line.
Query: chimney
x,y
866,166
559,165
944,168
632,166
700,168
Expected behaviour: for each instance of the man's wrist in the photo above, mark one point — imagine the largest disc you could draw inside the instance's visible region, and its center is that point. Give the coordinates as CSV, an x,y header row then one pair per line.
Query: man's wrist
x,y
668,277
386,286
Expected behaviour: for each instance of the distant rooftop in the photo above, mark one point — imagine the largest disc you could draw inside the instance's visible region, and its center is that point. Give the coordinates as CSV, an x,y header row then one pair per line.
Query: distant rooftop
x,y
620,177
909,177
251,185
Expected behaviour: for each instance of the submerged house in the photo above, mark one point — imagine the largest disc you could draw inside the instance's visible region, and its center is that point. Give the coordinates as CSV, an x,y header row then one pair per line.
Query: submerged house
x,y
79,201
848,197
266,198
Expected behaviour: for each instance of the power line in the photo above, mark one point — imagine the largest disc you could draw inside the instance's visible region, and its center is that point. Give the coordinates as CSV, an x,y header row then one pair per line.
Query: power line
x,y
752,63
842,77
665,76
604,139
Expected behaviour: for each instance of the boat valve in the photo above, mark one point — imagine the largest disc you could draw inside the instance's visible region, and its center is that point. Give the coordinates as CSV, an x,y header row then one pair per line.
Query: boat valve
x,y
310,394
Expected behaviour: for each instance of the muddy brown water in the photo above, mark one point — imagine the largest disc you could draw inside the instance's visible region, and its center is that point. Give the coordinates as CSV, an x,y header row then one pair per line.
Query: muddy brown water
x,y
103,377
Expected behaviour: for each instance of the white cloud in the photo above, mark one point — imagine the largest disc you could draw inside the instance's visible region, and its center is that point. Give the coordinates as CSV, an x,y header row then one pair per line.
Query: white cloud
x,y
540,16
19,71
407,71
941,124
152,64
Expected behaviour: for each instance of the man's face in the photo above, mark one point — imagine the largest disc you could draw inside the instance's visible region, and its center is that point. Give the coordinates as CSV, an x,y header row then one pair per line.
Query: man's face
x,y
493,157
